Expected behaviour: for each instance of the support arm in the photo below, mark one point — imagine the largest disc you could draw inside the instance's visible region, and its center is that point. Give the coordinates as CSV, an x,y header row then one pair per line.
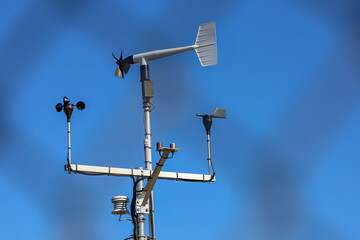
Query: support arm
x,y
154,176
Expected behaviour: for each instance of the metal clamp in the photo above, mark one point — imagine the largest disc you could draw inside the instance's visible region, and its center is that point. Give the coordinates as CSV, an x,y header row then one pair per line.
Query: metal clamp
x,y
139,208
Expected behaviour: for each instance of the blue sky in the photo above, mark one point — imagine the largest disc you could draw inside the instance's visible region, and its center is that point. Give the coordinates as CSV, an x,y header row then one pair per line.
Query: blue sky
x,y
286,159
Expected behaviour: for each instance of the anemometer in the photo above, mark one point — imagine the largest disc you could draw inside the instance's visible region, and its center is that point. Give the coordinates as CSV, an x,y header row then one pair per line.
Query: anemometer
x,y
142,203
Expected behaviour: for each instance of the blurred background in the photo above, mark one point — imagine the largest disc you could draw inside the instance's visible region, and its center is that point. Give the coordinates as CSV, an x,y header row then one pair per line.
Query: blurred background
x,y
287,157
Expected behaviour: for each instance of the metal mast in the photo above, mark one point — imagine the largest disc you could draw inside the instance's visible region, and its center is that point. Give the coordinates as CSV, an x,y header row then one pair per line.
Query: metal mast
x,y
147,94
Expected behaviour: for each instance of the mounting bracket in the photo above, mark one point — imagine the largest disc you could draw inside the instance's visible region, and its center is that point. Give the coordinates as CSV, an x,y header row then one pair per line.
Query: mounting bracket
x,y
139,208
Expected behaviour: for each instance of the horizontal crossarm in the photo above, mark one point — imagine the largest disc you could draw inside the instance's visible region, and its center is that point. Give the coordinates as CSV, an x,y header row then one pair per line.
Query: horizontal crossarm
x,y
126,172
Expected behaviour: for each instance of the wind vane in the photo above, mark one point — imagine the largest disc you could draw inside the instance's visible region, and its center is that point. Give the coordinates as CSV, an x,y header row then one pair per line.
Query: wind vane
x,y
205,48
142,200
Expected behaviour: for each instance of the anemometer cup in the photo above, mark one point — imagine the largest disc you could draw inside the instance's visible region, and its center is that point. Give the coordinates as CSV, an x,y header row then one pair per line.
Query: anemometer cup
x,y
80,105
59,107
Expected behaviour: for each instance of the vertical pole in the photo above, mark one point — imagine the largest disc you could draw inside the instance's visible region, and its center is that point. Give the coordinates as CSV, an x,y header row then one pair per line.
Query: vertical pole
x,y
207,121
147,94
69,146
141,217
209,152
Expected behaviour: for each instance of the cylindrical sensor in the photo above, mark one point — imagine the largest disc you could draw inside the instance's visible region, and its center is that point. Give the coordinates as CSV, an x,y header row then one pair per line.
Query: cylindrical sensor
x,y
172,145
159,145
120,205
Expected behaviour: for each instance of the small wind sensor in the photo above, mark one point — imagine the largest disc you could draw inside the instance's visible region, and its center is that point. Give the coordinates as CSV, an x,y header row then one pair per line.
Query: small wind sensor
x,y
68,109
207,121
205,48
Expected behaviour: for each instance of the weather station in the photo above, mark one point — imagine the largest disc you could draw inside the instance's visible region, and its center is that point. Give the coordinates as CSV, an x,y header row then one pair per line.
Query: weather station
x,y
142,203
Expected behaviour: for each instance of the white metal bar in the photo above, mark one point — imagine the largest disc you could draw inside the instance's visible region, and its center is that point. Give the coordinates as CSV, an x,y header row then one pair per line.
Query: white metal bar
x,y
126,172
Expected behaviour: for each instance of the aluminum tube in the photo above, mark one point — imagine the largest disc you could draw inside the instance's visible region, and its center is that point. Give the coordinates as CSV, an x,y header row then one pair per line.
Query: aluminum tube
x,y
147,141
144,73
209,153
152,220
153,55
141,217
69,147
148,164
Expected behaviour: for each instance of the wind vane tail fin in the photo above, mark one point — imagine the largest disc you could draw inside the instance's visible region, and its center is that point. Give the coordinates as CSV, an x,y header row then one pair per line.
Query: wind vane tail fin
x,y
205,44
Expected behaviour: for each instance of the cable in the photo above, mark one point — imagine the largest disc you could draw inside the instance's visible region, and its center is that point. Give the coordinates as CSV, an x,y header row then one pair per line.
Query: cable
x,y
212,166
153,106
132,207
172,155
132,210
213,170
213,175
90,174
